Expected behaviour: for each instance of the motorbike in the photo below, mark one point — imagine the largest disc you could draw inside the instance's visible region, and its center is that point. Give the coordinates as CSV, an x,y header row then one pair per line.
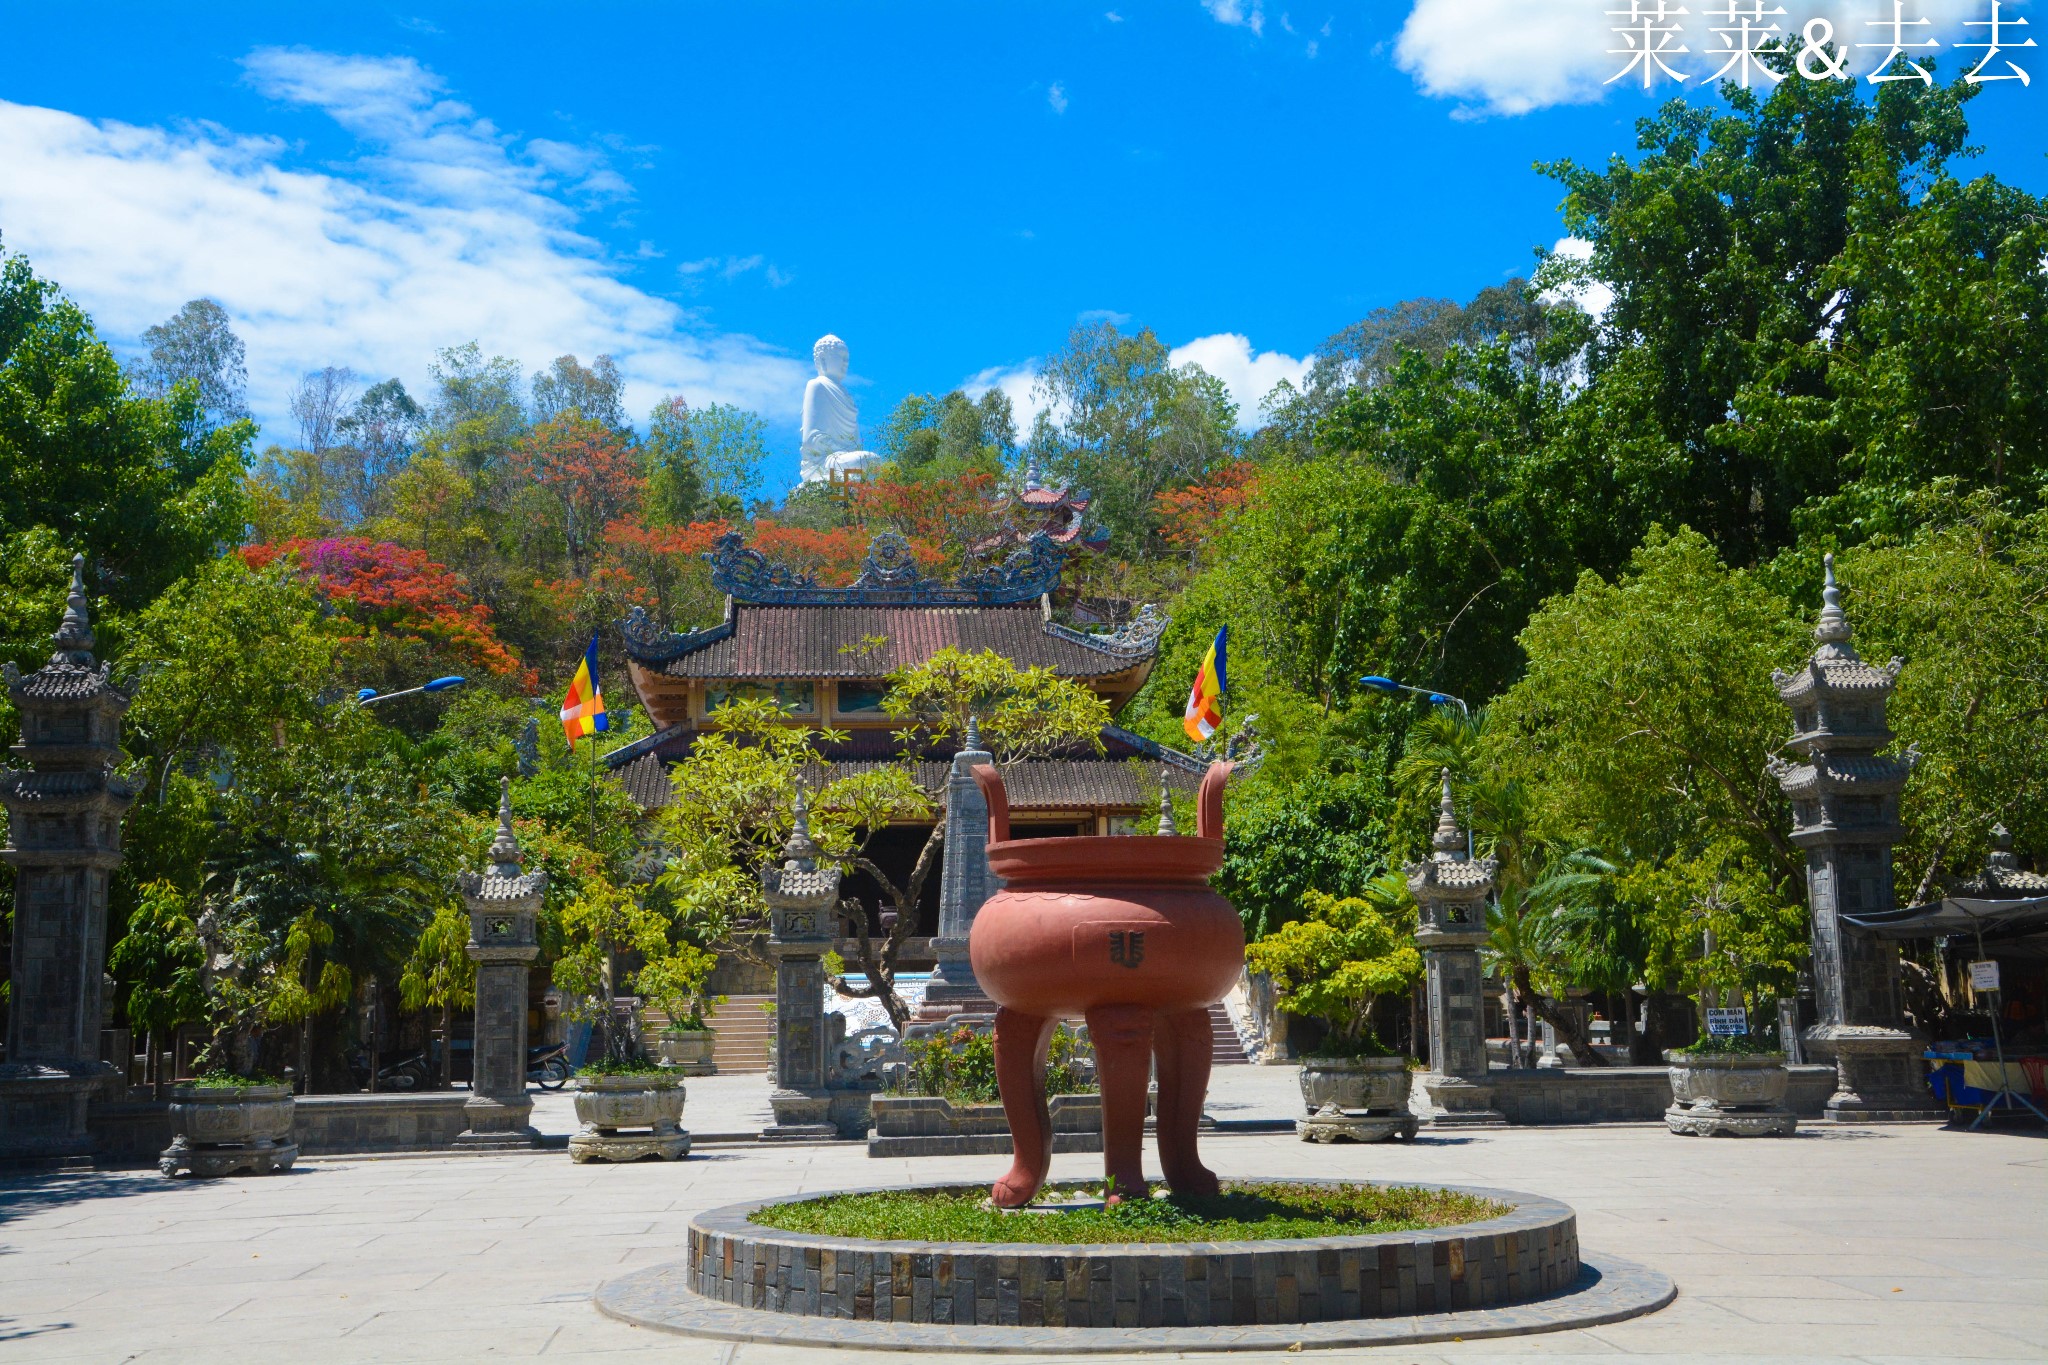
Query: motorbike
x,y
547,1065
406,1071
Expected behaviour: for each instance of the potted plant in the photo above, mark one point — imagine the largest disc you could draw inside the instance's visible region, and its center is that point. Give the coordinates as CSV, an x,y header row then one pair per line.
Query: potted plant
x,y
1333,964
944,1101
1730,1087
674,985
629,1106
231,1117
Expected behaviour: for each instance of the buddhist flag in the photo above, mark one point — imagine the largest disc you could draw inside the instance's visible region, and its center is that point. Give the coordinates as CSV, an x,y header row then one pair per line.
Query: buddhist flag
x,y
1205,701
583,709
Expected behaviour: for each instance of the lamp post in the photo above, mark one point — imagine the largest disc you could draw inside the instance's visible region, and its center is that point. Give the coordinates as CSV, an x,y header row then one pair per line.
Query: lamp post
x,y
1388,685
1380,684
370,696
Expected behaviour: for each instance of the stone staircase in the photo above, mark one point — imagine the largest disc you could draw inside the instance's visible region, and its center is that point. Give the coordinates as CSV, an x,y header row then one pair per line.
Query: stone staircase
x,y
1225,1049
745,1032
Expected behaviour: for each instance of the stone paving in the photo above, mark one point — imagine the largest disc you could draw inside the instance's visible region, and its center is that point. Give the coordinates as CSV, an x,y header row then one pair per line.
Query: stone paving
x,y
1881,1244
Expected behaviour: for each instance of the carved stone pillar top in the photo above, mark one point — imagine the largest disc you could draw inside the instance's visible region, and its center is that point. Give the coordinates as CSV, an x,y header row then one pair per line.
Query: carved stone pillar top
x,y
803,898
503,900
1450,888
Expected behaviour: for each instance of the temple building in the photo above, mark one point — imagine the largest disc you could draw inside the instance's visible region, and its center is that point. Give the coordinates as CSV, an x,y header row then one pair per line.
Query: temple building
x,y
826,654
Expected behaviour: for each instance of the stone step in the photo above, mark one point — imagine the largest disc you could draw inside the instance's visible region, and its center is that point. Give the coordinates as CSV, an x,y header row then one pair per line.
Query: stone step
x,y
744,1031
1225,1048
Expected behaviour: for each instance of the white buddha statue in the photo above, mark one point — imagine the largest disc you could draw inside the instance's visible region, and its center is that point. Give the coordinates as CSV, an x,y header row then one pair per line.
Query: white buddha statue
x,y
831,427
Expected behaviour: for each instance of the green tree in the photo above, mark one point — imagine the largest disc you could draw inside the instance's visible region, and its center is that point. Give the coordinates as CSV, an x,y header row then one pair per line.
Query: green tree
x,y
929,438
1647,711
197,345
439,975
1130,426
591,393
143,487
1341,957
162,963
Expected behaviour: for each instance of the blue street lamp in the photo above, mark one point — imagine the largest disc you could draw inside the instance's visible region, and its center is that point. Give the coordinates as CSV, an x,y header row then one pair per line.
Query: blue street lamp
x,y
1380,684
369,696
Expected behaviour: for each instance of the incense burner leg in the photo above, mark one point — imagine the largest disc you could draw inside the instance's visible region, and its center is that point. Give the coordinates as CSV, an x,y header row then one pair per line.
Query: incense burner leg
x,y
1123,1052
1184,1043
1021,1043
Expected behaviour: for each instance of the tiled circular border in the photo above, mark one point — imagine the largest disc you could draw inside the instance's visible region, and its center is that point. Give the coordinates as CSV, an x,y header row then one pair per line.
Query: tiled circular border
x,y
773,1285
1608,1290
1525,1253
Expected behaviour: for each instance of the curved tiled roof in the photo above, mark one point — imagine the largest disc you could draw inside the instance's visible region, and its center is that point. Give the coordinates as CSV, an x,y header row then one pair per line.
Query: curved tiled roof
x,y
488,886
775,642
1856,773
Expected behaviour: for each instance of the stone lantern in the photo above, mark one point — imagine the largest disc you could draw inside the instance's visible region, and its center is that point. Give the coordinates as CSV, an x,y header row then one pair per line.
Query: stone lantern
x,y
64,841
811,1100
1451,890
503,902
1845,815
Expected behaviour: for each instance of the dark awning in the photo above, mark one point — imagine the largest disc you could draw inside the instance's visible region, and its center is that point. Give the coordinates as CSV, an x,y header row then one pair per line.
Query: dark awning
x,y
1959,917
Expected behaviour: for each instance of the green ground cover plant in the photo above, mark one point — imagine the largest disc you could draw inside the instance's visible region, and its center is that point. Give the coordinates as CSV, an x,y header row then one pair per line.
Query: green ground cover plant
x,y
1242,1212
1741,1045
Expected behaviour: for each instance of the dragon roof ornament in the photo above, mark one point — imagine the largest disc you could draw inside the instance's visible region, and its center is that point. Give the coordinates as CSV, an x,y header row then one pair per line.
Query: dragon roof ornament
x,y
889,576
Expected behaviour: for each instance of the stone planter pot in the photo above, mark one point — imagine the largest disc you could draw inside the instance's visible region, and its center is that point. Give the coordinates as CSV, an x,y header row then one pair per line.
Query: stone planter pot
x,y
931,1125
1729,1096
218,1130
626,1118
688,1050
1357,1099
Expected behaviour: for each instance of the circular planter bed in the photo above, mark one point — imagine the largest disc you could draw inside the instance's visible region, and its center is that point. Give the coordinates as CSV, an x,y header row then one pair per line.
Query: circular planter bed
x,y
1523,1248
1513,1269
628,1117
1729,1095
222,1129
1359,1099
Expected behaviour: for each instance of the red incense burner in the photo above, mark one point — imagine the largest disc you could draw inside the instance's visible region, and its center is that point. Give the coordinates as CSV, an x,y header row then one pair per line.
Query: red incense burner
x,y
1125,933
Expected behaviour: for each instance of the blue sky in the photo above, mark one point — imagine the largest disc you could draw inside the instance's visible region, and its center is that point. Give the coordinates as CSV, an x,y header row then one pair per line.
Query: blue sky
x,y
702,190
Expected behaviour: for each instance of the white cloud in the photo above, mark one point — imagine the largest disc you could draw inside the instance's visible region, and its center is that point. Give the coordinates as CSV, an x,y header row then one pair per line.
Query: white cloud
x,y
1594,297
1057,98
1247,375
1113,16
444,229
1514,56
1238,14
1019,383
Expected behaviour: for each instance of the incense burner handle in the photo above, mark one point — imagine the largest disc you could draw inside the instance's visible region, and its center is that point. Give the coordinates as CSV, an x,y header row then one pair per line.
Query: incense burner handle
x,y
1209,802
990,781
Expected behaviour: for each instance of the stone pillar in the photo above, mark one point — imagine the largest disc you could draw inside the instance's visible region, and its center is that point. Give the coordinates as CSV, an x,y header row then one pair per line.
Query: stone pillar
x,y
803,913
1845,815
965,882
503,902
1450,891
64,840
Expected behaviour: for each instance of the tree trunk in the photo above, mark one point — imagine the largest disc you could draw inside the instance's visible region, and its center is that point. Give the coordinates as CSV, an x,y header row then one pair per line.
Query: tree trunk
x,y
448,1047
879,962
1564,1021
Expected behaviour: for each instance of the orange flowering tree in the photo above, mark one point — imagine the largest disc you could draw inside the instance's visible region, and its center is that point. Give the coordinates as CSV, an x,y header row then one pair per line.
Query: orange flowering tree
x,y
398,594
590,472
